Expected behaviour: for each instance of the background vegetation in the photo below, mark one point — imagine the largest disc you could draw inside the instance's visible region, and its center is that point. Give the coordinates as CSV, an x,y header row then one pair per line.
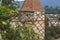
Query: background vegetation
x,y
7,10
53,32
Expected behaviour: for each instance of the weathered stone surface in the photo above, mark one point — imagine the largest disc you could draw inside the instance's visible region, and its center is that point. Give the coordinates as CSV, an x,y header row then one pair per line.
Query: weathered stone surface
x,y
36,19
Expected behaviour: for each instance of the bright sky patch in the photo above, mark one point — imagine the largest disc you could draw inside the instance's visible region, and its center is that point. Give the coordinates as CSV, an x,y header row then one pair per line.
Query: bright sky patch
x,y
19,0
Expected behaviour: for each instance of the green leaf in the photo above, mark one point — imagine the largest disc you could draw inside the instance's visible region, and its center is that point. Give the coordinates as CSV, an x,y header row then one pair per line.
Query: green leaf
x,y
22,35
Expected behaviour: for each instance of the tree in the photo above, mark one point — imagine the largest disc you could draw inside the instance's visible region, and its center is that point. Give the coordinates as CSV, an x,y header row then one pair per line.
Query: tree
x,y
53,32
9,33
5,17
11,4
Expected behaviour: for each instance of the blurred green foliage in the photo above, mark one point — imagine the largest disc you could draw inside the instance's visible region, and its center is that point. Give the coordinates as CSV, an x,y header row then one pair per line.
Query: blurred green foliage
x,y
27,33
19,33
7,10
5,18
52,32
11,4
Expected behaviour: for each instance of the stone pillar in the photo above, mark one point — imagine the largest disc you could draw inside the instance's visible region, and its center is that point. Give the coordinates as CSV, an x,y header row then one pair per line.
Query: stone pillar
x,y
39,24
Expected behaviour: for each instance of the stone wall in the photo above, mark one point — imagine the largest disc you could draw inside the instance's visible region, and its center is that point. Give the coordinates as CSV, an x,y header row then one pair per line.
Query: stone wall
x,y
36,19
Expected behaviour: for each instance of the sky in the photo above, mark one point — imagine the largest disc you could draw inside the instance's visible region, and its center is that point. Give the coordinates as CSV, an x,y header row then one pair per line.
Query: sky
x,y
48,2
51,2
19,0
